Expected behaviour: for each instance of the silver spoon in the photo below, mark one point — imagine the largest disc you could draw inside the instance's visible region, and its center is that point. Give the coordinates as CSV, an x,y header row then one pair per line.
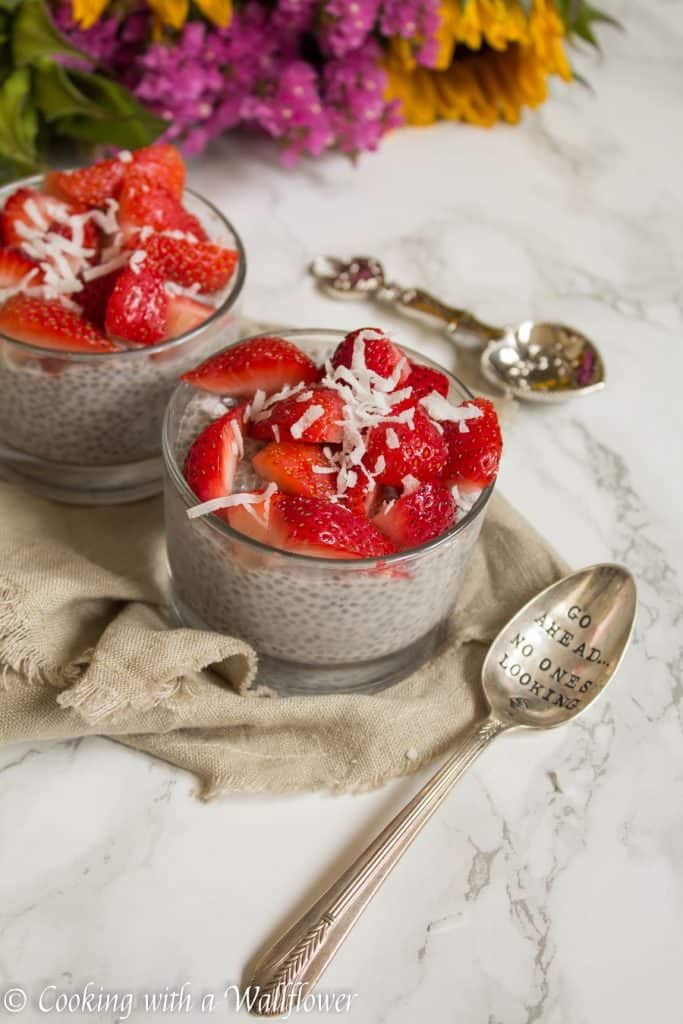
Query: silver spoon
x,y
545,667
537,362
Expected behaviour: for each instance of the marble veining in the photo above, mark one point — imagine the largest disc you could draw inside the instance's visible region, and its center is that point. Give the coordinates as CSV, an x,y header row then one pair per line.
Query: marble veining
x,y
549,888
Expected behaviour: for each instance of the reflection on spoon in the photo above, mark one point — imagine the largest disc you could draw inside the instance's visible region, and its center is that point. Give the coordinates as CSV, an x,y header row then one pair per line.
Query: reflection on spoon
x,y
545,667
536,362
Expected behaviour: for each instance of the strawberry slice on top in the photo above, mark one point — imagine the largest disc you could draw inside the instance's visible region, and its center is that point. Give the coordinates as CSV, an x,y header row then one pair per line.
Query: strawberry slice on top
x,y
26,209
370,348
90,186
212,460
397,450
314,414
323,529
260,364
183,315
137,310
15,266
153,206
159,164
191,263
473,454
49,324
415,518
257,517
297,468
422,380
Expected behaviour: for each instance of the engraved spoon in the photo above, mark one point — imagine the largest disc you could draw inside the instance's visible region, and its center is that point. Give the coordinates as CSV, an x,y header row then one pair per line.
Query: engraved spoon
x,y
536,362
545,667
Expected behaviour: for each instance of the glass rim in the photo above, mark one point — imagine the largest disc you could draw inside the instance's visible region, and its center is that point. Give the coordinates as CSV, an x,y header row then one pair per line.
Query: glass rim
x,y
235,288
343,564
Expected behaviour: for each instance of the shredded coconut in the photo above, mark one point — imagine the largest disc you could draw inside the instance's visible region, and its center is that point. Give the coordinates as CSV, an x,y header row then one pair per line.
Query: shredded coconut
x,y
239,438
441,410
313,413
410,484
136,260
230,500
392,438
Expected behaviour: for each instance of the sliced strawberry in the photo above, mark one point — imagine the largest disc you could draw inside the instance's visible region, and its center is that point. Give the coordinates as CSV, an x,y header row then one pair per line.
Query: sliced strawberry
x,y
422,380
364,496
265,364
474,454
14,268
312,415
212,460
327,530
137,310
257,518
94,296
91,186
293,468
370,347
160,164
15,213
415,518
49,324
191,263
395,451
184,314
143,205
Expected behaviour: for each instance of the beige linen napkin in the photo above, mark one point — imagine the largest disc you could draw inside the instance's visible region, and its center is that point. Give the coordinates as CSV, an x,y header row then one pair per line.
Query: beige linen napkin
x,y
86,649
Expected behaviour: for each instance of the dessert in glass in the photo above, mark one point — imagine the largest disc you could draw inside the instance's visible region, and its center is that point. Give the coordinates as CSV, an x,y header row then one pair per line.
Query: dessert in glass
x,y
323,493
114,280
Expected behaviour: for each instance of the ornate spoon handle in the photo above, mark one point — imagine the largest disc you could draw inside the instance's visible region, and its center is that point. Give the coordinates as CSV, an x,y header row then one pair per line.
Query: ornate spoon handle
x,y
415,300
363,276
298,958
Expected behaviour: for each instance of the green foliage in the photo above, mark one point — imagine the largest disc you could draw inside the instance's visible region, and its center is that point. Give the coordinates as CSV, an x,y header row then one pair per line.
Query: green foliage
x,y
580,17
41,99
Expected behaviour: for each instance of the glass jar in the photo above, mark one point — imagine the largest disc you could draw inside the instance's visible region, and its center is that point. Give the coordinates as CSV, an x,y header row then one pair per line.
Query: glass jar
x,y
86,427
319,625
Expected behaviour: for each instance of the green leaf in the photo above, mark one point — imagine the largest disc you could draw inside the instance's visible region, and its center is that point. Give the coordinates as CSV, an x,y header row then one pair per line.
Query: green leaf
x,y
108,114
57,96
35,38
9,5
18,123
579,17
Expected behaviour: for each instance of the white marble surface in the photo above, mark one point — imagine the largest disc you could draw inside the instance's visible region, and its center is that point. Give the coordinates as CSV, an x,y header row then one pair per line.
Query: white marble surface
x,y
550,887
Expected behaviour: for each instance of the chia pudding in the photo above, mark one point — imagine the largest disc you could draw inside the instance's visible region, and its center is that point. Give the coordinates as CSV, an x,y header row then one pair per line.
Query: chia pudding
x,y
86,425
318,624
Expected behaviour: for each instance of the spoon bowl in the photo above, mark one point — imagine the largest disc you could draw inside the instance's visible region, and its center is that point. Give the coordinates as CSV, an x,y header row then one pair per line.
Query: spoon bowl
x,y
559,652
541,362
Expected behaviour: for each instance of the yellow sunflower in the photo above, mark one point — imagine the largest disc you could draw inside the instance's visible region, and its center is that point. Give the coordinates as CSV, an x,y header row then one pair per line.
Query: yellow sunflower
x,y
167,13
494,59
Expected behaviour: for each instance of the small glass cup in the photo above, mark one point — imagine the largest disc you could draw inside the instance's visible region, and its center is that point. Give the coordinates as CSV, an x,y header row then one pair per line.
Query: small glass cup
x,y
86,427
319,625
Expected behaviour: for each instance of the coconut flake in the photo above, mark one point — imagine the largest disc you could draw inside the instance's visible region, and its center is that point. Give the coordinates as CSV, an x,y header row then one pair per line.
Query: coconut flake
x,y
391,438
136,260
90,273
239,438
245,498
313,413
410,484
441,410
